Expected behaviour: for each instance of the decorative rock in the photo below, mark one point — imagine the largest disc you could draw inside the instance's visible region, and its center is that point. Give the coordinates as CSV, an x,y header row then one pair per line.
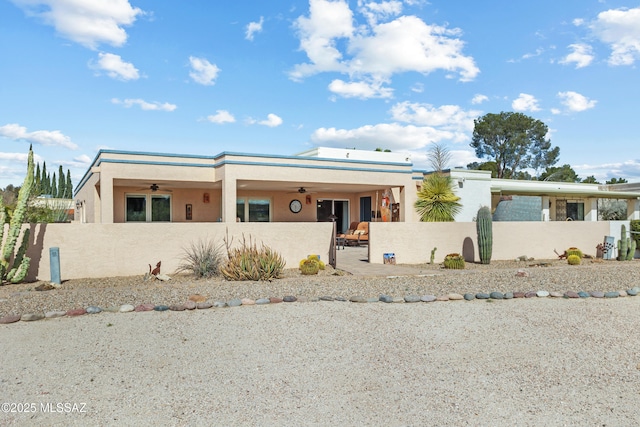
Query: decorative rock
x,y
636,289
612,294
583,294
508,295
219,304
341,299
571,294
197,298
622,293
632,292
144,307
385,298
428,298
326,298
531,294
261,301
176,307
542,294
11,318
518,294
372,300
289,298
302,298
76,312
92,309
496,295
275,300
236,302
455,297
161,307
411,298
522,273
126,308
247,301
555,294
112,309
30,317
597,294
442,298
54,314
483,295
204,305
398,300
469,297
189,305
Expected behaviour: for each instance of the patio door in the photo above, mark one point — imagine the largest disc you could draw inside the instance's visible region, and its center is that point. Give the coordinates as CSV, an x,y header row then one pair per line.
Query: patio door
x,y
365,208
339,208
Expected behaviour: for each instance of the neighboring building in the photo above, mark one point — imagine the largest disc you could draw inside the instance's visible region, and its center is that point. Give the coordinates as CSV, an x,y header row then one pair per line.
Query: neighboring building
x,y
318,185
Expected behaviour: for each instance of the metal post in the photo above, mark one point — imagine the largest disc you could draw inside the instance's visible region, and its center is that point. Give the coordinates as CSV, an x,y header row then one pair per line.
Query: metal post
x,y
54,265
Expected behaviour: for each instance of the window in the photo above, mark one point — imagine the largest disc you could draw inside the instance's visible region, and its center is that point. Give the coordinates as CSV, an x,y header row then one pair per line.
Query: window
x,y
256,210
575,211
145,208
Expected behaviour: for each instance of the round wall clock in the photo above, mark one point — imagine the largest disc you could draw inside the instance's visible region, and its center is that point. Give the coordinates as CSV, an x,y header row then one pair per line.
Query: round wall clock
x,y
295,206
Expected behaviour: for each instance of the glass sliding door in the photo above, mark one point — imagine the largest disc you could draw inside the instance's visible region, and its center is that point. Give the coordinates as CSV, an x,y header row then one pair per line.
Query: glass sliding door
x,y
147,208
339,208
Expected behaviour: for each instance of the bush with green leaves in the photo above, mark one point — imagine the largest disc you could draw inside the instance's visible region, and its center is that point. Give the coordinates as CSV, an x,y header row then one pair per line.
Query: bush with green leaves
x,y
203,259
250,262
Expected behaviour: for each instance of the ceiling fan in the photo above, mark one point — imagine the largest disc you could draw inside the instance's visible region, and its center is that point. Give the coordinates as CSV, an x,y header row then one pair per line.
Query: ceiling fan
x,y
153,187
302,190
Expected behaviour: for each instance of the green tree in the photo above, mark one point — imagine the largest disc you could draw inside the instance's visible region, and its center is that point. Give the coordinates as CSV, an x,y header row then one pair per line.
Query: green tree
x,y
61,184
54,188
69,186
485,166
590,180
616,181
44,180
514,141
437,201
563,173
37,186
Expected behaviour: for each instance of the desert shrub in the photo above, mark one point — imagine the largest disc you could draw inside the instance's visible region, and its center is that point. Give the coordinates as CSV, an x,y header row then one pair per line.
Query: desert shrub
x,y
574,259
248,262
202,258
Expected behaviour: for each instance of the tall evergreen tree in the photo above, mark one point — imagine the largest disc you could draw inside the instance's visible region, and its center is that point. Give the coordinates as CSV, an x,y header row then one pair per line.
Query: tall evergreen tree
x,y
44,181
69,185
54,189
37,186
61,184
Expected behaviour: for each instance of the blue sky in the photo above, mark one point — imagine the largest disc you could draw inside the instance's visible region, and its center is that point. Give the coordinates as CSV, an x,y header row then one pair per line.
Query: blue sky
x,y
280,77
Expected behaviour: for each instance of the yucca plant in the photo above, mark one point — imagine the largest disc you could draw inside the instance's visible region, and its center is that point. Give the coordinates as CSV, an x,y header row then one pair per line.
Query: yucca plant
x,y
436,200
202,258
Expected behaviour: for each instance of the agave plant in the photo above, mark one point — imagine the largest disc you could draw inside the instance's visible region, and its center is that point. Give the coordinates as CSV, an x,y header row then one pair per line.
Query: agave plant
x,y
436,200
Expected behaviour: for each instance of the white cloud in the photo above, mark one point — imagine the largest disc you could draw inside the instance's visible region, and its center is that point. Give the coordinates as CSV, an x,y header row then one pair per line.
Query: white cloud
x,y
582,55
575,102
447,117
252,28
373,52
88,23
221,116
578,22
202,71
479,98
628,169
272,121
525,102
556,111
144,105
620,29
360,89
42,137
115,67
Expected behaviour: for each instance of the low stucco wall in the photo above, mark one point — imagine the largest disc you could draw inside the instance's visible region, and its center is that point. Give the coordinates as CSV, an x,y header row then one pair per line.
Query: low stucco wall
x,y
105,250
412,243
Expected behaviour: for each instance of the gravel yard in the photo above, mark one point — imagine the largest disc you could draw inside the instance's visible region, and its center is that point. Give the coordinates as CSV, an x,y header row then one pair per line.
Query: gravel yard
x,y
527,362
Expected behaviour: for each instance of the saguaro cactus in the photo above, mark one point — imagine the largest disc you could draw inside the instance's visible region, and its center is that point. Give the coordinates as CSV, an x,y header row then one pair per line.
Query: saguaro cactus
x,y
484,226
623,244
16,270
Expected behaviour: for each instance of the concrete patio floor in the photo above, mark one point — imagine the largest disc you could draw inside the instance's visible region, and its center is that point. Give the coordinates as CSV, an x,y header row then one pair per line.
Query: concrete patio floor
x,y
354,260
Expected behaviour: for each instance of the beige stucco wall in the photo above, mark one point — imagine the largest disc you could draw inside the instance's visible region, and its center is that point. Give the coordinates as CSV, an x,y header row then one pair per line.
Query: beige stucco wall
x,y
412,243
105,250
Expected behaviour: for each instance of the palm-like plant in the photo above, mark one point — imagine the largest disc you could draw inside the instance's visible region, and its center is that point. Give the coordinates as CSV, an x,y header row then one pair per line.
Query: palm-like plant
x,y
436,200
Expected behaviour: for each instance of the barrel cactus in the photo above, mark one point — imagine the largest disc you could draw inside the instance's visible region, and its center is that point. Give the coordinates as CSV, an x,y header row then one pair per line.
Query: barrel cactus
x,y
574,251
14,267
484,227
574,259
309,267
454,261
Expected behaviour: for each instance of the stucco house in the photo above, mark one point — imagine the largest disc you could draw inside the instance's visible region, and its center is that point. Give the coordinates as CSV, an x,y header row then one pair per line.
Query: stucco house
x,y
322,184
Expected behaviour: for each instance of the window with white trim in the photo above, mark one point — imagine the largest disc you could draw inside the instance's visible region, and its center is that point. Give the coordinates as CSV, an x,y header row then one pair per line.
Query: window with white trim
x,y
148,208
253,209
